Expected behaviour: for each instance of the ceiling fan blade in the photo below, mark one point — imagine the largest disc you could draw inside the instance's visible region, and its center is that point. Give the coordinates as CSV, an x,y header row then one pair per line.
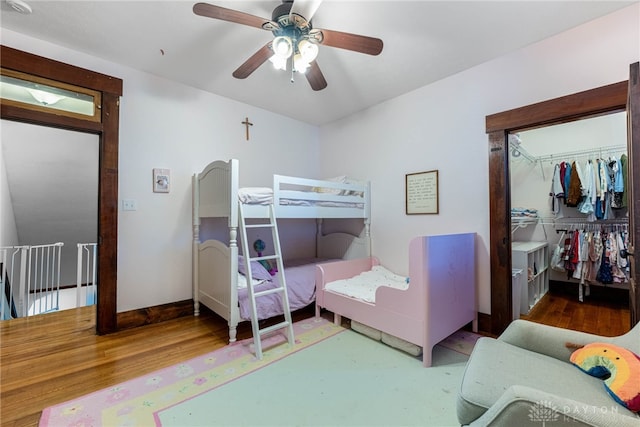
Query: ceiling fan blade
x,y
315,77
355,42
252,64
230,15
305,8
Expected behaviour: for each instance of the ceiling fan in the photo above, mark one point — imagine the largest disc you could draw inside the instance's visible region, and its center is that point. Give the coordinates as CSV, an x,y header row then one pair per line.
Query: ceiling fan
x,y
295,40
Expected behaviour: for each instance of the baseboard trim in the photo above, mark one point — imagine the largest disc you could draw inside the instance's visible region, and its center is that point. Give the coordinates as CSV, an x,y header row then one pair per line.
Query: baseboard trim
x,y
174,310
484,324
155,314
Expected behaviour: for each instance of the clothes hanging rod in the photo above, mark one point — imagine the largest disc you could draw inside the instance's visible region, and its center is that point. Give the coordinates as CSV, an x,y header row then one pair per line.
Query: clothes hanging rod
x,y
518,222
592,225
613,221
600,151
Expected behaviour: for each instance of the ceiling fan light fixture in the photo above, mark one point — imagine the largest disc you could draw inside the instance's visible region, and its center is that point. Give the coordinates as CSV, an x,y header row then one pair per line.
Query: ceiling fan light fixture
x,y
282,47
278,62
308,50
300,65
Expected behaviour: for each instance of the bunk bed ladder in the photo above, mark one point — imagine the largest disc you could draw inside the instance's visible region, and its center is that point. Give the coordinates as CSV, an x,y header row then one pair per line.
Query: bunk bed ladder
x,y
282,289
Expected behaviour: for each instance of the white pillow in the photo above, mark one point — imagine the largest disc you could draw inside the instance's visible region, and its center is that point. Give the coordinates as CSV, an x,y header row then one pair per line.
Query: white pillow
x,y
352,181
341,179
242,281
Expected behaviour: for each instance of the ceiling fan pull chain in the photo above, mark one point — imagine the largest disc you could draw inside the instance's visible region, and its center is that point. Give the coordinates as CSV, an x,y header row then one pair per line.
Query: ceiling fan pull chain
x,y
291,58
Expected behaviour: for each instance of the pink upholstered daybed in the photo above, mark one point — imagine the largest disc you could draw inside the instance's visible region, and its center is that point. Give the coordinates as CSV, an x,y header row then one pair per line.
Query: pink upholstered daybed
x,y
440,298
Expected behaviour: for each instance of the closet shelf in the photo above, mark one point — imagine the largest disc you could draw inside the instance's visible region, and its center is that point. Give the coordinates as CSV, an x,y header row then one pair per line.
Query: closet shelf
x,y
535,276
527,255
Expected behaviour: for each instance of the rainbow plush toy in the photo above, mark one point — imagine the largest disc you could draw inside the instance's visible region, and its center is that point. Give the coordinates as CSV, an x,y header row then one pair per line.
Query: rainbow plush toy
x,y
617,366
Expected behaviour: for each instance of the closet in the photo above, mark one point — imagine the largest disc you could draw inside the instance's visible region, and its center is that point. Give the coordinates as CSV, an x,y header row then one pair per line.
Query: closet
x,y
569,216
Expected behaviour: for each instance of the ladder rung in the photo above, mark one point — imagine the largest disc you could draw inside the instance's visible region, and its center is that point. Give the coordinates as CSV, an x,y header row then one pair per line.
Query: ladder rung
x,y
258,225
274,327
260,258
268,292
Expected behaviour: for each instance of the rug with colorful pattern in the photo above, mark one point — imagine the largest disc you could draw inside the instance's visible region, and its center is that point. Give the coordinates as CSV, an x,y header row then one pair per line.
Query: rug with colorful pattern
x,y
137,402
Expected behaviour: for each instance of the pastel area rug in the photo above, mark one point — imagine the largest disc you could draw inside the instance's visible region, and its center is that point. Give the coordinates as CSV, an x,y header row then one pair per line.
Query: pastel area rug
x,y
331,377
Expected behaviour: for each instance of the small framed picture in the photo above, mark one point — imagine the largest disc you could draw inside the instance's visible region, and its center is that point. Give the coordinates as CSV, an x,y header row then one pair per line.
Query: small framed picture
x,y
161,180
422,193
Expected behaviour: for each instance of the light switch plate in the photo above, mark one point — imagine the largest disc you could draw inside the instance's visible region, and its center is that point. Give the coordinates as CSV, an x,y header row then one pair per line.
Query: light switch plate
x,y
161,180
129,205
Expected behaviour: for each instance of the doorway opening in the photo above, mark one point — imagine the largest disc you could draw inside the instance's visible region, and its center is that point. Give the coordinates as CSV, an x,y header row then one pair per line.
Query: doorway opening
x,y
570,225
106,128
48,244
622,96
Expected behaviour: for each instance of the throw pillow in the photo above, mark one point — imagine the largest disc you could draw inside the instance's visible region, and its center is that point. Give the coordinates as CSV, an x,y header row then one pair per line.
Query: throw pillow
x,y
257,270
617,366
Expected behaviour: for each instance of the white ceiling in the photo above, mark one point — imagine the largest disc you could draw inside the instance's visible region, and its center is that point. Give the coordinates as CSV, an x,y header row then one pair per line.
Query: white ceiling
x,y
424,41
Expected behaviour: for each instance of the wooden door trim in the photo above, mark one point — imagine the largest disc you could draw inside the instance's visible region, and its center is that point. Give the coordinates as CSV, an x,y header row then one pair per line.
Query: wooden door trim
x,y
590,103
634,195
107,131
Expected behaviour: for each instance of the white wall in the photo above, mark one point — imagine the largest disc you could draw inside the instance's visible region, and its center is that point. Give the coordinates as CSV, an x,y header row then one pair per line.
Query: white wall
x,y
168,125
442,126
8,230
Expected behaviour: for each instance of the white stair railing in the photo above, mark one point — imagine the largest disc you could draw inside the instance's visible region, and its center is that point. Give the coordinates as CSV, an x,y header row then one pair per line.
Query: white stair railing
x,y
86,273
11,277
30,277
43,279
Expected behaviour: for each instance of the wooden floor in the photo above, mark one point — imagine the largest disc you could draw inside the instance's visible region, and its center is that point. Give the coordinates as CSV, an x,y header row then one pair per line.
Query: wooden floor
x,y
46,360
56,357
605,312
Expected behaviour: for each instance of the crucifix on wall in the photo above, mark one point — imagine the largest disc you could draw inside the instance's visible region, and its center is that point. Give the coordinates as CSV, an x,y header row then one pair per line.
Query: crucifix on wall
x,y
247,123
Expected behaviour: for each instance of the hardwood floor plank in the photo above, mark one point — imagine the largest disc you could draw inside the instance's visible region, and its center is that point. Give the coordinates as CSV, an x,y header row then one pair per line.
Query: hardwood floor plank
x,y
605,312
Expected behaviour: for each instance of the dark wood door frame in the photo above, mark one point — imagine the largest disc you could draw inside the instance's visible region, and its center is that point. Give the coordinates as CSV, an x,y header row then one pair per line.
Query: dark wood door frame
x,y
590,103
107,131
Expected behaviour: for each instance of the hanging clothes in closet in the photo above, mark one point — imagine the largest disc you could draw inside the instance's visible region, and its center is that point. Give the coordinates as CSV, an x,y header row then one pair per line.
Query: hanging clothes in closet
x,y
594,256
596,188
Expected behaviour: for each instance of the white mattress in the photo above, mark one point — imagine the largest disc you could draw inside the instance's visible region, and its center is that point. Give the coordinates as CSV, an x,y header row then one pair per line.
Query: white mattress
x,y
264,196
256,195
364,285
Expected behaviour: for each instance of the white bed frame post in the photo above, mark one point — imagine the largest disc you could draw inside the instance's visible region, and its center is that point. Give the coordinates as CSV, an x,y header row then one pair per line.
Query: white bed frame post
x,y
367,219
234,316
234,186
196,244
367,236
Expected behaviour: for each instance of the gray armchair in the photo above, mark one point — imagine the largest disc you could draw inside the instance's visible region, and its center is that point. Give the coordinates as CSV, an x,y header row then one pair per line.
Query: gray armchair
x,y
525,378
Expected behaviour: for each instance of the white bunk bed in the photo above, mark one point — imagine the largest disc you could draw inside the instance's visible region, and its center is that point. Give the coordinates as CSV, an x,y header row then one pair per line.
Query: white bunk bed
x,y
216,194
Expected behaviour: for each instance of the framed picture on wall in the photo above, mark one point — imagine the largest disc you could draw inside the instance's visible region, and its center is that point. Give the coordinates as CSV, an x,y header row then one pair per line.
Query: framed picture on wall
x,y
422,193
